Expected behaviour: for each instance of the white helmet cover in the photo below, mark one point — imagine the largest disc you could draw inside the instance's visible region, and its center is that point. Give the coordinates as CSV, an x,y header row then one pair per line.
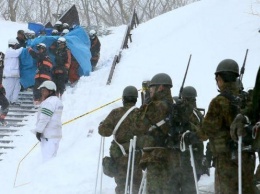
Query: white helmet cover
x,y
50,85
13,41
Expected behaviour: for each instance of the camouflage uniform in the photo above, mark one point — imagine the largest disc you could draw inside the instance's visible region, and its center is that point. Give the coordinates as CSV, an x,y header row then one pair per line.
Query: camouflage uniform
x,y
217,127
155,158
190,119
125,132
187,178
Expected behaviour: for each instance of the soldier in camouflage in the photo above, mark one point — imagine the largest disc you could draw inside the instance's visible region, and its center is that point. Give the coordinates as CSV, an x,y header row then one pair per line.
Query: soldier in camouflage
x,y
152,121
122,137
221,112
194,117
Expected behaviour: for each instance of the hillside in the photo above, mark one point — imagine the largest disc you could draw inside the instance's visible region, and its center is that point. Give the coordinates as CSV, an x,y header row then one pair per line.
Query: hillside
x,y
210,30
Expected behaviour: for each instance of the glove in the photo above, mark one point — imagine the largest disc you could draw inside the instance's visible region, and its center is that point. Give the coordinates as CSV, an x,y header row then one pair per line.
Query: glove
x,y
255,130
257,126
2,89
205,166
237,127
38,136
191,138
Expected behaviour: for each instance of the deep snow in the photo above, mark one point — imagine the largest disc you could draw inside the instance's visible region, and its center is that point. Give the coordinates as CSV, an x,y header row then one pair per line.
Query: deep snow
x,y
210,30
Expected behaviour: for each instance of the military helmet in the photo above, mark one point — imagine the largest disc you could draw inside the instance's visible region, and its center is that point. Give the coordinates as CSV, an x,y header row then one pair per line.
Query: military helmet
x,y
161,79
130,91
227,65
189,92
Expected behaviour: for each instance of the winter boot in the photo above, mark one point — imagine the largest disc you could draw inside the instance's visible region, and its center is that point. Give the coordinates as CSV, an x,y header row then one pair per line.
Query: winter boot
x,y
3,122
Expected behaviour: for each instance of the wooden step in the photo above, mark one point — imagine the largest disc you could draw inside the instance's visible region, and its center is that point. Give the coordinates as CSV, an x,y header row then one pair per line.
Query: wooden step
x,y
22,106
6,146
16,115
21,98
8,129
14,119
2,135
12,124
23,110
25,101
6,141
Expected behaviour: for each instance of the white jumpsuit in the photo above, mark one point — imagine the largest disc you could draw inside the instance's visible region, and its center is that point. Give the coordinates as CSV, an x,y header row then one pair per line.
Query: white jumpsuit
x,y
11,74
50,126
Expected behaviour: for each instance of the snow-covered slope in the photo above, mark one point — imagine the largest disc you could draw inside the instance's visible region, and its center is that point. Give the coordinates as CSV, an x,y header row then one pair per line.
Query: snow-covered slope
x,y
210,30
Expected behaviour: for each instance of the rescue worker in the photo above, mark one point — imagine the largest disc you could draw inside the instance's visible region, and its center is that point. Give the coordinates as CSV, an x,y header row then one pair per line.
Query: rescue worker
x,y
49,127
255,120
151,120
192,120
54,32
11,72
94,49
217,122
3,100
251,108
122,135
43,73
65,26
73,71
21,39
58,26
63,62
4,106
64,32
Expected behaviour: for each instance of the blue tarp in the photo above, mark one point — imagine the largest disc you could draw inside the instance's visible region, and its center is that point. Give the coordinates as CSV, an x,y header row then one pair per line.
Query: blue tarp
x,y
77,41
36,27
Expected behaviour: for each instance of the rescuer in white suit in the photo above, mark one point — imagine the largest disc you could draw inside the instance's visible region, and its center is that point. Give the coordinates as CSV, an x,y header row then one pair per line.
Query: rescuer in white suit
x,y
11,72
49,127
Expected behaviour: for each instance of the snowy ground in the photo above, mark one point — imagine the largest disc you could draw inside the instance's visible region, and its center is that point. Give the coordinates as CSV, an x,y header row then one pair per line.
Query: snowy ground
x,y
210,30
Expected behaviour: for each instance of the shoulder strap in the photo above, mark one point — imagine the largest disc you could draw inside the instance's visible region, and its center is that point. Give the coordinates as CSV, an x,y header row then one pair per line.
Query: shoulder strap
x,y
235,102
198,115
117,126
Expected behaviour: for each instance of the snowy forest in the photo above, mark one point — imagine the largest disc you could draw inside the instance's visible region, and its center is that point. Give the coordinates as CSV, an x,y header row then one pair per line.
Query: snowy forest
x,y
91,12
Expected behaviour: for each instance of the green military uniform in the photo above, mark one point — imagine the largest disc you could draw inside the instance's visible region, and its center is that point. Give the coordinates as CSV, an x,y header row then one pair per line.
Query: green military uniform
x,y
187,184
155,158
191,119
125,132
155,154
216,124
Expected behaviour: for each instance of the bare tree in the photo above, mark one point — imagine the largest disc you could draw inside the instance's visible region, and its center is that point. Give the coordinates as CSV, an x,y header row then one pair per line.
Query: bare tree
x,y
91,12
12,8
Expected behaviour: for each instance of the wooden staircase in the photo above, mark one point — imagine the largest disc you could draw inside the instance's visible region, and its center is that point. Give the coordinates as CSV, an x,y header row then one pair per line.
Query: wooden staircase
x,y
16,118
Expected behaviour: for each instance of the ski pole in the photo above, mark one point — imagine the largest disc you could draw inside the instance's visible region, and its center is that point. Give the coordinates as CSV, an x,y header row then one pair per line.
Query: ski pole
x,y
240,164
128,165
142,183
101,171
133,164
145,181
98,163
194,169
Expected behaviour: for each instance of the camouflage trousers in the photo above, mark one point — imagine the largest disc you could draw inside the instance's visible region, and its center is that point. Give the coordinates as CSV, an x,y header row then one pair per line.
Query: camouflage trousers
x,y
226,174
157,178
120,177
